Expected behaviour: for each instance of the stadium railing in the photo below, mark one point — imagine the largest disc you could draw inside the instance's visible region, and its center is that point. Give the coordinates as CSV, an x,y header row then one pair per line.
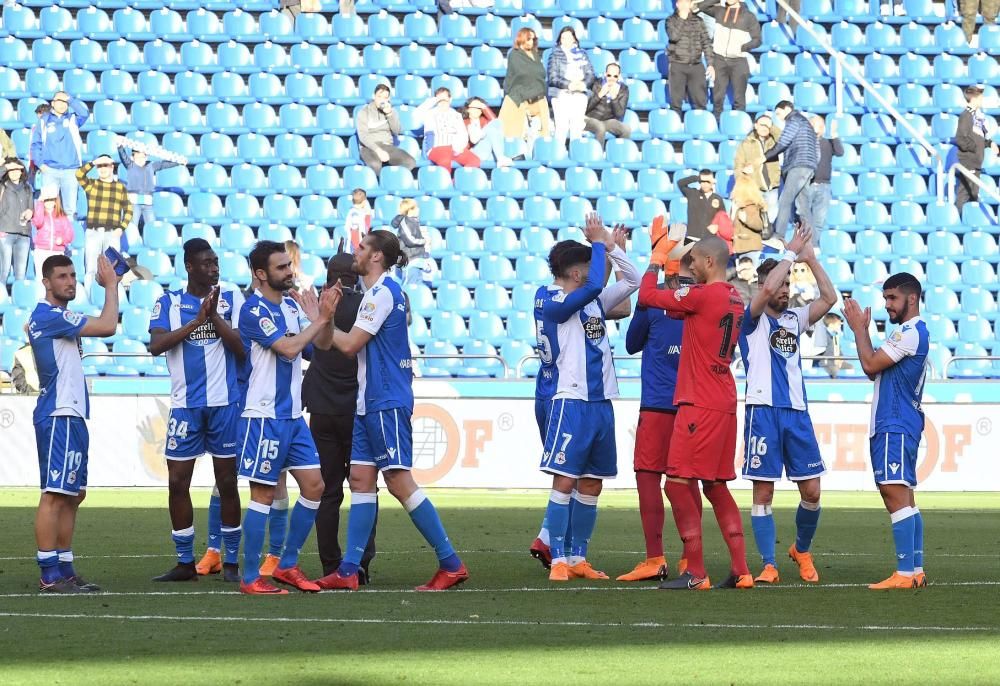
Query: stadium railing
x,y
970,358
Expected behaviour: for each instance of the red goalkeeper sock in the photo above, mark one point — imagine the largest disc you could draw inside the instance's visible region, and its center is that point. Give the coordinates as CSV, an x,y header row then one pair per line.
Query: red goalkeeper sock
x,y
730,523
687,517
696,495
651,511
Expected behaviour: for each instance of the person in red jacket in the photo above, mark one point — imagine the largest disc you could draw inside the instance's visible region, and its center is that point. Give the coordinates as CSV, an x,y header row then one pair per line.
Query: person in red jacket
x,y
53,229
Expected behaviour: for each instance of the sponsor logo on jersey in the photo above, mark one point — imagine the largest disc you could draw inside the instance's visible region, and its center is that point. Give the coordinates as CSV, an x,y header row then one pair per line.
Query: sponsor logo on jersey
x,y
896,337
268,327
784,342
594,328
206,334
73,318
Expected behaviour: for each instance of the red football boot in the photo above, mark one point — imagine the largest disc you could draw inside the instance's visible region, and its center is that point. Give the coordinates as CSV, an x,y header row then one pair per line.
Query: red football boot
x,y
442,580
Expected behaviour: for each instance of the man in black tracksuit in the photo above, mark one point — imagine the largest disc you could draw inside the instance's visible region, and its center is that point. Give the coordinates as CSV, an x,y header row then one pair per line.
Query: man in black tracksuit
x,y
972,139
737,32
687,44
703,202
329,393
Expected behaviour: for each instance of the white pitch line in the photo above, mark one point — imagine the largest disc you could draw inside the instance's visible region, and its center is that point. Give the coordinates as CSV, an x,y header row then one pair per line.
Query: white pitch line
x,y
496,622
523,589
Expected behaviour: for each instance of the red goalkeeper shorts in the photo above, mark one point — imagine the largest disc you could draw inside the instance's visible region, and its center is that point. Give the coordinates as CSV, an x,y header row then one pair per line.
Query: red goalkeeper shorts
x,y
703,445
652,440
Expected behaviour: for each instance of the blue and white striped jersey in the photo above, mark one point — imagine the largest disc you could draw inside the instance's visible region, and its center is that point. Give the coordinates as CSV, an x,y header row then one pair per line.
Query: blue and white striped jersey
x,y
771,351
54,334
274,390
385,367
899,390
203,372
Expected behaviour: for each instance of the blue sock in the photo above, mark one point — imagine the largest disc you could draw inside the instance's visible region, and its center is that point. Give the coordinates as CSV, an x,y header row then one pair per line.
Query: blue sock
x,y
277,527
364,507
806,521
569,520
215,521
302,520
764,532
184,543
558,515
254,523
918,540
582,519
428,523
66,570
902,534
48,562
231,541
543,533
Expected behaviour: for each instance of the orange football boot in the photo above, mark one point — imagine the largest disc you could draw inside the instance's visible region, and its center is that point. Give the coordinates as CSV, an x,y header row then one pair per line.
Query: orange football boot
x,y
261,587
921,579
768,576
443,579
583,570
807,570
559,572
897,580
210,563
293,576
269,565
647,570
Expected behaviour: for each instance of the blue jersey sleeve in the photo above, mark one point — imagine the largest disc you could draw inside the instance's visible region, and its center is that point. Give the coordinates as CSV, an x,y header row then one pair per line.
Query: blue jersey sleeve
x,y
56,323
749,323
638,331
257,323
561,308
159,318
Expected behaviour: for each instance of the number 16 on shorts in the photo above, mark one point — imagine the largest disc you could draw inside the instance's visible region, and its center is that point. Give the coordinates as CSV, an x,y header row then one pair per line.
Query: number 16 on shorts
x,y
780,440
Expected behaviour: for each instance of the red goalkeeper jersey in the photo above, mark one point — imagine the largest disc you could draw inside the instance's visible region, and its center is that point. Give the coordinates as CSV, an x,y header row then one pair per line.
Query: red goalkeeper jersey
x,y
713,315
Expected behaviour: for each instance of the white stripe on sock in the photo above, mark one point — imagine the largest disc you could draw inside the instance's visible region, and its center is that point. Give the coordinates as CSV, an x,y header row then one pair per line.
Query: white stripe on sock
x,y
363,498
215,491
559,498
809,506
231,529
758,510
259,507
66,556
414,501
901,514
584,499
184,532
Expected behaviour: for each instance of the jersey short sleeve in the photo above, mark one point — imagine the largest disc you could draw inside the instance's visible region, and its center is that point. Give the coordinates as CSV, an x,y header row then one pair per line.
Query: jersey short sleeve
x,y
749,322
375,308
57,323
259,325
236,296
159,318
902,343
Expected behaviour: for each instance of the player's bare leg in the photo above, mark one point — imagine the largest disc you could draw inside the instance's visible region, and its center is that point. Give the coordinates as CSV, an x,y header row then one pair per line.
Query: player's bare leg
x,y
585,511
229,495
686,511
898,499
277,526
303,517
806,520
762,519
731,525
179,473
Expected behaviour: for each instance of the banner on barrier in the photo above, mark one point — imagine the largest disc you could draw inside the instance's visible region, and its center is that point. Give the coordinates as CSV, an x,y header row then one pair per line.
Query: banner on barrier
x,y
482,443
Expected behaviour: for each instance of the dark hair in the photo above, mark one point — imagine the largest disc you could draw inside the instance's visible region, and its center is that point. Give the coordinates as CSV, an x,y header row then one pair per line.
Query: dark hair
x,y
51,263
613,64
381,87
765,268
783,104
387,243
195,246
905,282
441,90
360,190
565,254
564,30
261,253
44,108
707,172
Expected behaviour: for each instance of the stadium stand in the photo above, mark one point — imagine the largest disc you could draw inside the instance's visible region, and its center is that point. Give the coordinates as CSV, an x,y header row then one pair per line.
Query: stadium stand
x,y
263,108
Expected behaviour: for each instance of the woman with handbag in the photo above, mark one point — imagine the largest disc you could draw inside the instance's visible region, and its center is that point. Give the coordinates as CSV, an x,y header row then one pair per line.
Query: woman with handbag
x,y
524,112
749,213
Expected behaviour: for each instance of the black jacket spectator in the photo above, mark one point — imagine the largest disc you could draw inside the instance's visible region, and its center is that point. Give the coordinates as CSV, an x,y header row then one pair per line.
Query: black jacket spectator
x,y
828,149
525,79
701,207
687,40
604,109
737,31
970,138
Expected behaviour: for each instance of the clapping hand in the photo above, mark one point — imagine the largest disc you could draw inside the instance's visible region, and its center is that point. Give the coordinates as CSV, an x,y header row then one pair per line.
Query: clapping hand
x,y
593,228
802,237
308,302
106,275
620,235
857,319
329,300
209,307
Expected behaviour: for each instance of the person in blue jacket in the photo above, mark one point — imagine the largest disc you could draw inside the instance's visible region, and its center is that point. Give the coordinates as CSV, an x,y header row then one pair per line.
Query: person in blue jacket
x,y
56,147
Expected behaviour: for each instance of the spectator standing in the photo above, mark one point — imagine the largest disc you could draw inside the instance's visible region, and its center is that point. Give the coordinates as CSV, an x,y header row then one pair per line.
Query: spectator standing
x,y
524,112
140,182
7,148
749,214
570,76
359,218
801,148
802,287
412,238
750,156
818,194
53,229
970,9
827,342
40,112
377,127
737,32
56,147
687,45
329,393
446,139
109,211
485,133
607,105
972,138
703,202
15,214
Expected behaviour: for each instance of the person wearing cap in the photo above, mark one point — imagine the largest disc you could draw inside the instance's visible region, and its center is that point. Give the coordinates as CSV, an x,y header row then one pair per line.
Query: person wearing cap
x,y
140,182
329,393
749,159
969,10
56,146
109,211
15,215
972,137
53,229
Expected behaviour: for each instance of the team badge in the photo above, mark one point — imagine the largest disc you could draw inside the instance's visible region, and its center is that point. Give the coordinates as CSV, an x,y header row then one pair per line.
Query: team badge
x,y
681,292
896,337
265,467
268,327
560,458
223,306
72,317
71,478
715,203
171,444
754,462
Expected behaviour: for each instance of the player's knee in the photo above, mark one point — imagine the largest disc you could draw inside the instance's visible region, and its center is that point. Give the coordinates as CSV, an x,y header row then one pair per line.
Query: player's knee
x,y
810,492
179,483
226,485
400,483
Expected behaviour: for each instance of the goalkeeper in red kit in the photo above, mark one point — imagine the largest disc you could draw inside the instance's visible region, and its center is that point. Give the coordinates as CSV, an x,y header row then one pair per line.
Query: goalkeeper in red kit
x,y
703,445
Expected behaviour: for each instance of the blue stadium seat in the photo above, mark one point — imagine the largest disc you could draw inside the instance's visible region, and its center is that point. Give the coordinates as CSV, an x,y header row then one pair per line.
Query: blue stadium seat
x,y
944,244
941,300
458,269
14,321
450,327
979,301
268,89
421,299
298,118
279,233
468,180
502,211
977,272
583,181
977,214
234,268
943,215
454,298
942,272
482,330
26,294
699,154
238,238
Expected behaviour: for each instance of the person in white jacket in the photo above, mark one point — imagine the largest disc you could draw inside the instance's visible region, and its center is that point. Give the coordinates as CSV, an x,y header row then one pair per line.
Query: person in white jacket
x,y
446,139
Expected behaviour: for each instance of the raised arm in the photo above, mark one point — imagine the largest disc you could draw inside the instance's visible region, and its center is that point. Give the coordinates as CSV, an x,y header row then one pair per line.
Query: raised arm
x,y
561,308
827,291
107,323
638,331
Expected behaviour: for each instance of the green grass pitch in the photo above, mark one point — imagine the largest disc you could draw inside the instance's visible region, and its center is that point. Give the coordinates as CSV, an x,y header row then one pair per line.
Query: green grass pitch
x,y
508,624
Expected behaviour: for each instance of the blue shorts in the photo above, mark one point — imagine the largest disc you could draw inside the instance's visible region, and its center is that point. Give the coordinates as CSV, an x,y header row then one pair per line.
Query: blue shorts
x,y
780,438
542,410
894,459
580,440
272,445
63,447
384,439
193,432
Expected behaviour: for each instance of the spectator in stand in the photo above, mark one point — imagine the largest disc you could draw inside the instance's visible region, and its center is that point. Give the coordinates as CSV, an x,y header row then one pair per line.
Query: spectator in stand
x,y
826,341
377,127
16,199
783,16
7,148
607,105
749,213
40,112
140,182
359,218
722,226
749,160
570,75
687,45
413,239
801,147
972,138
737,32
446,139
802,287
703,202
485,133
109,211
56,147
524,112
818,193
53,229
970,10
